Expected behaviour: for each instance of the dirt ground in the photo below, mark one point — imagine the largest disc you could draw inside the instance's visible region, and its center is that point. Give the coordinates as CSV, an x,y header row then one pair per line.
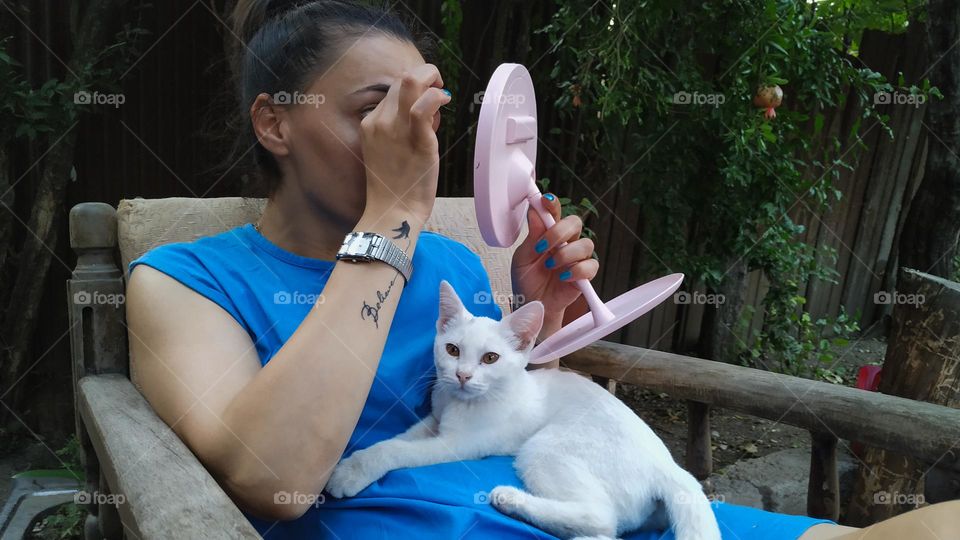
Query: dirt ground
x,y
737,436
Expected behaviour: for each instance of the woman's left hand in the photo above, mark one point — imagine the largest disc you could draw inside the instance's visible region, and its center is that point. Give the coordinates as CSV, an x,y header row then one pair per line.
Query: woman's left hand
x,y
542,271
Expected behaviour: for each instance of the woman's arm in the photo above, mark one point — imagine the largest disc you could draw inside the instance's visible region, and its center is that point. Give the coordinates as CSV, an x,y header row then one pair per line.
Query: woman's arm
x,y
281,428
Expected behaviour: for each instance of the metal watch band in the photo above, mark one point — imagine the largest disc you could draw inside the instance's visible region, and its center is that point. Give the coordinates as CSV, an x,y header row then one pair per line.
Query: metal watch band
x,y
369,246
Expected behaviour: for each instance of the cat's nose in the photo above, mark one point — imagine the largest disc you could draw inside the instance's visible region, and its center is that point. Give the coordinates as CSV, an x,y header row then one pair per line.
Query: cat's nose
x,y
464,377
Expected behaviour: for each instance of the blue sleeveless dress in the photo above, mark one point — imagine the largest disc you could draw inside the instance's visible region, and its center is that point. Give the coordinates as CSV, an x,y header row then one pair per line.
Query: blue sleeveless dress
x,y
269,291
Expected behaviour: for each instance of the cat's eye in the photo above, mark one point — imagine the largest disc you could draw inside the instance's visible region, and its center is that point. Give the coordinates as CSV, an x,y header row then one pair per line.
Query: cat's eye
x,y
490,358
453,350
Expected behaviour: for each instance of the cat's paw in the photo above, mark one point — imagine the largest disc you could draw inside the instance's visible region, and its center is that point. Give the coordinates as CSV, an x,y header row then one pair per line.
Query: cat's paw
x,y
506,498
350,477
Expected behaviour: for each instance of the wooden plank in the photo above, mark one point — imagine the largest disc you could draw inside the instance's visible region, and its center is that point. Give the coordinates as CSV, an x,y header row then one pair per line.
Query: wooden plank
x,y
848,214
895,205
823,489
913,182
625,221
166,492
699,460
659,334
751,298
837,228
605,245
865,248
670,319
915,428
692,322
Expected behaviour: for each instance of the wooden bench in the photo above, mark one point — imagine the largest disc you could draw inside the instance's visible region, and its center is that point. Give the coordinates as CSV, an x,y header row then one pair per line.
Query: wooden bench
x,y
165,492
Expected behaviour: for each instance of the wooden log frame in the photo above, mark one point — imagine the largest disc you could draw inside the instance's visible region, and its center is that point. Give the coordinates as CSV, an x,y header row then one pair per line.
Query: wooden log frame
x,y
163,491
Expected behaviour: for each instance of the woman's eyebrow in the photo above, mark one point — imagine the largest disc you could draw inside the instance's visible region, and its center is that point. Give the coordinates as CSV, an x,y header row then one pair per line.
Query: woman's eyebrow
x,y
379,87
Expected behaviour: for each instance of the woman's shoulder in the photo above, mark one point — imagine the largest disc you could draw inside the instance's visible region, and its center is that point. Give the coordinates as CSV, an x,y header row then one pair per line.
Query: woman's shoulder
x,y
201,264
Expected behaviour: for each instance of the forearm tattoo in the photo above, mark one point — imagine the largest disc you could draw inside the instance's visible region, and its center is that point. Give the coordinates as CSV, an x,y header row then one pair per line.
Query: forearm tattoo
x,y
373,311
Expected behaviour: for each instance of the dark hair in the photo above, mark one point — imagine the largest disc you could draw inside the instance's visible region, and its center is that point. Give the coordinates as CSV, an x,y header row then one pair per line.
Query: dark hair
x,y
285,44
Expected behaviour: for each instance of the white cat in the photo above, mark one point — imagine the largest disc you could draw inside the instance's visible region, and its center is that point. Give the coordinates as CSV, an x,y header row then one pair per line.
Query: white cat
x,y
592,467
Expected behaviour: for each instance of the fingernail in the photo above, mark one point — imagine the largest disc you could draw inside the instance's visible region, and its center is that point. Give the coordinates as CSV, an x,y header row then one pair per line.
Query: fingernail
x,y
565,275
447,92
541,245
549,263
549,196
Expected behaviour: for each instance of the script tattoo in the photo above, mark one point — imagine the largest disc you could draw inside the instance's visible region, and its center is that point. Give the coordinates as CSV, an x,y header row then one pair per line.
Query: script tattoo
x,y
373,311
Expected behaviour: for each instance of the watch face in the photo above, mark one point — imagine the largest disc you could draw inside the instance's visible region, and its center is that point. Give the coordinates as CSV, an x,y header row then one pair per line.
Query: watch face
x,y
358,246
361,244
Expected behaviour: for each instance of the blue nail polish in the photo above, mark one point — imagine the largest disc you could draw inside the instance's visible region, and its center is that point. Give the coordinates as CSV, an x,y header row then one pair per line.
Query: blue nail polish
x,y
541,245
447,92
549,196
550,263
565,275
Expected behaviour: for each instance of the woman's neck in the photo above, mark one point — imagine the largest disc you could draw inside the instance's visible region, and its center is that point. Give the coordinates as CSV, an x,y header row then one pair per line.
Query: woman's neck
x,y
296,226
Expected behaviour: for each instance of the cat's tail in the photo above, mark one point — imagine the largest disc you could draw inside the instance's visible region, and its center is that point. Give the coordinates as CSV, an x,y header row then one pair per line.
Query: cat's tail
x,y
689,509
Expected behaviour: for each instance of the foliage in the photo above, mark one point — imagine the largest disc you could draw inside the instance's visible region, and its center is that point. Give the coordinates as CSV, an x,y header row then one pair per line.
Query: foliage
x,y
71,456
848,17
66,523
449,54
663,92
798,345
68,520
29,112
584,208
35,116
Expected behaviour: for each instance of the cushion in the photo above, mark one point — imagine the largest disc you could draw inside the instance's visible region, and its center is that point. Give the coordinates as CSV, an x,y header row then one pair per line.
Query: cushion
x,y
145,223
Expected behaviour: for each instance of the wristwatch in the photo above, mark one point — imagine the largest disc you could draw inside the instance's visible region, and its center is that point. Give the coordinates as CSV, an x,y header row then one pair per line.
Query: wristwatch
x,y
370,246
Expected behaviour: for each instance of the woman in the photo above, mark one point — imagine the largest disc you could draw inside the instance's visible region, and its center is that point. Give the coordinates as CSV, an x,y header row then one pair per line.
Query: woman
x,y
271,361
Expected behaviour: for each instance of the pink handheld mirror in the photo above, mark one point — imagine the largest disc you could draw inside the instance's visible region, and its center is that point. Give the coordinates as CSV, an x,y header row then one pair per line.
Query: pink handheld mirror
x,y
504,185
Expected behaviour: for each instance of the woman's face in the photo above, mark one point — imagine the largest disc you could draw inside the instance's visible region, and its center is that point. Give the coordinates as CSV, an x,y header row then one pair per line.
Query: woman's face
x,y
325,159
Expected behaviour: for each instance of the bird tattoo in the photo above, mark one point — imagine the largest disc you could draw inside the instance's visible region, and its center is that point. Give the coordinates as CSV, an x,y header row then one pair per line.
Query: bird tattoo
x,y
403,231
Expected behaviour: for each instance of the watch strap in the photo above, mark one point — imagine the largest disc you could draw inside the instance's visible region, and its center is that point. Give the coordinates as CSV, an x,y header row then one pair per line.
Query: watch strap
x,y
361,246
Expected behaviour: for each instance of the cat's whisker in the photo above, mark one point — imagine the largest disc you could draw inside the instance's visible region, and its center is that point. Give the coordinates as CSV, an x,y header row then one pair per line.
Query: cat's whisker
x,y
423,386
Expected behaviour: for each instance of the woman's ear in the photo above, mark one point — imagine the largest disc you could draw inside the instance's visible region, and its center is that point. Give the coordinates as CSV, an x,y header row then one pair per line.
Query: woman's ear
x,y
267,119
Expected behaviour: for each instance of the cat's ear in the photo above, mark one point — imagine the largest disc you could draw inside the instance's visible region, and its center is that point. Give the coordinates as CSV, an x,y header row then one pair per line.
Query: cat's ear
x,y
451,308
525,323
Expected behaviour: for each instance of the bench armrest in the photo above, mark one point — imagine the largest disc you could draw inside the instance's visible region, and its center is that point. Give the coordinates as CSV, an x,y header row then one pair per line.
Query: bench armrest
x,y
162,489
916,428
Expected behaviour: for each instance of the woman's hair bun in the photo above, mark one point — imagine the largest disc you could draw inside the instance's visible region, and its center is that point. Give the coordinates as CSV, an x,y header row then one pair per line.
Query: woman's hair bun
x,y
278,7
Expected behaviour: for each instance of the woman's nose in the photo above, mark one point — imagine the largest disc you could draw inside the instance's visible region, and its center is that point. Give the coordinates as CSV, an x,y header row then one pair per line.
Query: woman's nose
x,y
464,377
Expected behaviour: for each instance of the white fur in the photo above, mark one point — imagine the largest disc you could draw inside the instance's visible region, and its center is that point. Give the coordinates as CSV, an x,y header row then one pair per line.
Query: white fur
x,y
593,468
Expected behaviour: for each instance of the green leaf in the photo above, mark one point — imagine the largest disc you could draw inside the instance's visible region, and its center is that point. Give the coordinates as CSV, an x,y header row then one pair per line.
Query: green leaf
x,y
781,49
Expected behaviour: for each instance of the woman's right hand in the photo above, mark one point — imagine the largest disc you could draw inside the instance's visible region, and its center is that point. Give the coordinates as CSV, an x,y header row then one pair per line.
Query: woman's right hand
x,y
399,142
